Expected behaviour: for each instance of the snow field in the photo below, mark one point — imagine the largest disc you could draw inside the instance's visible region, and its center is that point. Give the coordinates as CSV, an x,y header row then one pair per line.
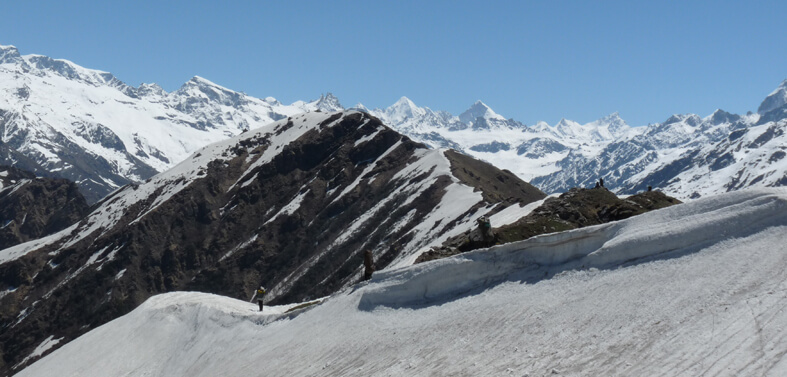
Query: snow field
x,y
616,299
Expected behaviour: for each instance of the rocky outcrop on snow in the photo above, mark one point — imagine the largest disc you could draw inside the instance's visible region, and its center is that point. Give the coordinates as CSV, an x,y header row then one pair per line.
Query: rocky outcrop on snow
x,y
292,205
574,209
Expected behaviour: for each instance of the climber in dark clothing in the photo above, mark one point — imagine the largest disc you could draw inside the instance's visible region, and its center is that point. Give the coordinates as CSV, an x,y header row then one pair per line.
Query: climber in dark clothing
x,y
368,265
259,294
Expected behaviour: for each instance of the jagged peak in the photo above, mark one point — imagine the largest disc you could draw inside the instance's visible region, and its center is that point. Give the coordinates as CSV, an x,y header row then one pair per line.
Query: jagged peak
x,y
720,116
328,102
612,117
152,88
675,118
612,121
9,54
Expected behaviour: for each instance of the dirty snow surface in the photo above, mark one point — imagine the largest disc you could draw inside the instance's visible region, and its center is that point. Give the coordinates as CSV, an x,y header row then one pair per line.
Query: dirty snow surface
x,y
695,289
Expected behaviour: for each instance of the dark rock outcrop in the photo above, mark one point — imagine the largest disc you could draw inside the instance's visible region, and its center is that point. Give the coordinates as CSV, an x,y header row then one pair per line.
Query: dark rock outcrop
x,y
576,208
33,207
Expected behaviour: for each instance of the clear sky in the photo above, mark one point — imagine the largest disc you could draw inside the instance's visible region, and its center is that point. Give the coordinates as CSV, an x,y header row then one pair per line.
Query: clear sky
x,y
528,60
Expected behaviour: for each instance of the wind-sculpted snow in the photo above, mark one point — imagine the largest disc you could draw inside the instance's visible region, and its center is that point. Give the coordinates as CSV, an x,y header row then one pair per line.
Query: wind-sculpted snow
x,y
665,233
693,289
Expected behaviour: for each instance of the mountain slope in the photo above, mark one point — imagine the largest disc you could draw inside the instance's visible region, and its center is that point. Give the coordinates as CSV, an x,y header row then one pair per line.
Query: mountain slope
x,y
694,289
291,205
32,207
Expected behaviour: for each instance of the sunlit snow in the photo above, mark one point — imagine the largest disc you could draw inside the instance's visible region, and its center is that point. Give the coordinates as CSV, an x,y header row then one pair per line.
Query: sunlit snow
x,y
693,289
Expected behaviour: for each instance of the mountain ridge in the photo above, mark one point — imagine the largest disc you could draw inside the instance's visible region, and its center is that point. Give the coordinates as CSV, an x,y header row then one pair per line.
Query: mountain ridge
x,y
292,205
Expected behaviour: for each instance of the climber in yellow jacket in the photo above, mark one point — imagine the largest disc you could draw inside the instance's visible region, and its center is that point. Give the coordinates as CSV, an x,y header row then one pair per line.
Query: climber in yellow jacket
x,y
259,294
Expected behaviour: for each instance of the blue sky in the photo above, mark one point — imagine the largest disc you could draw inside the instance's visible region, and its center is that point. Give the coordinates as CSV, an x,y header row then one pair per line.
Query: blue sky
x,y
527,60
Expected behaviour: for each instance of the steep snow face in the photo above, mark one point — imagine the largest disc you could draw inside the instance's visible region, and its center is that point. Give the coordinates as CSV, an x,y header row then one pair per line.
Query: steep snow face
x,y
88,126
775,100
693,289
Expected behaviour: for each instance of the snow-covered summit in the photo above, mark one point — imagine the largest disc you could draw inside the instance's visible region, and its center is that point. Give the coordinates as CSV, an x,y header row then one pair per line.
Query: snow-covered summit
x,y
479,110
402,110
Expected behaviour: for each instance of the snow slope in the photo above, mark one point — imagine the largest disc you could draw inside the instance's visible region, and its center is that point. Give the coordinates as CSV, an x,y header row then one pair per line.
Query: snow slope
x,y
694,289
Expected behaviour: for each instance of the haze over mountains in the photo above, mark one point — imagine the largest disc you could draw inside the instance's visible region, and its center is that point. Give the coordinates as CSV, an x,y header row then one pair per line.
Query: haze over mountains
x,y
60,119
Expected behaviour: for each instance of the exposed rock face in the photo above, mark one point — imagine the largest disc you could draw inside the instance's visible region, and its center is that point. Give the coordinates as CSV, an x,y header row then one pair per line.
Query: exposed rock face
x,y
292,205
33,207
575,209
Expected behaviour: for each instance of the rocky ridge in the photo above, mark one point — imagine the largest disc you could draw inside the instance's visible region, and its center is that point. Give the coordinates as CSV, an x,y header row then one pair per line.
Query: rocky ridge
x,y
291,205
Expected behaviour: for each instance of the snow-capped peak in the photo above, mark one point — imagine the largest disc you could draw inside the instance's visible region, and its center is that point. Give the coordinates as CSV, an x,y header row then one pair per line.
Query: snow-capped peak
x,y
403,103
610,126
9,54
203,82
479,110
329,103
567,127
688,119
360,107
150,89
720,117
775,100
403,109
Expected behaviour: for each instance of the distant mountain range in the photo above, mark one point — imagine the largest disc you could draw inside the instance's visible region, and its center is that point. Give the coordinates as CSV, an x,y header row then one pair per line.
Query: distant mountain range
x,y
686,155
63,120
89,127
